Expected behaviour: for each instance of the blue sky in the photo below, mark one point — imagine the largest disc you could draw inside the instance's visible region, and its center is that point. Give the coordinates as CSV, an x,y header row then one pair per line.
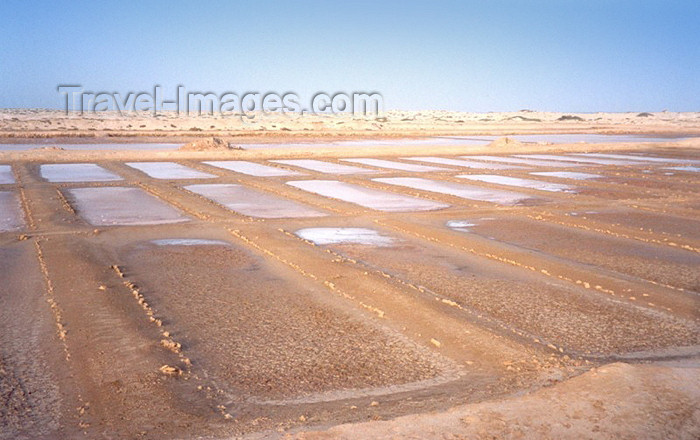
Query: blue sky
x,y
557,55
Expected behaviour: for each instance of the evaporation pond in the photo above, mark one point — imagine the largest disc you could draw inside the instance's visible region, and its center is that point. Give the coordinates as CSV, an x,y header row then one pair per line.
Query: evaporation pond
x,y
638,158
252,168
529,162
325,167
521,183
369,198
253,203
690,169
390,164
458,190
323,236
77,172
459,141
169,170
122,206
6,174
568,175
464,163
460,225
586,160
10,211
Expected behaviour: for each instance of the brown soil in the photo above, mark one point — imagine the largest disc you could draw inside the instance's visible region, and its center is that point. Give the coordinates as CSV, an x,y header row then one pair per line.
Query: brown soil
x,y
573,317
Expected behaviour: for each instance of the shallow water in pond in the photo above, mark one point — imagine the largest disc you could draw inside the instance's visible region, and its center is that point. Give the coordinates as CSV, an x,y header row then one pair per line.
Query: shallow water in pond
x,y
369,198
322,236
568,175
252,168
169,170
253,203
585,160
10,212
388,143
326,167
458,190
6,174
590,138
520,183
122,206
77,172
460,225
390,164
464,163
376,143
636,157
530,162
688,168
463,140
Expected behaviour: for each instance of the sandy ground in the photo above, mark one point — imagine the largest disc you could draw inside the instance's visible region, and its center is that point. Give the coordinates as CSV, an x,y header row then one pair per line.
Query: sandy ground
x,y
661,402
30,123
568,315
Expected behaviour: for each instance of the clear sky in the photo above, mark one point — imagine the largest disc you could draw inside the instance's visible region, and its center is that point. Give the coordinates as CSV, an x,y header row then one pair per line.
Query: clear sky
x,y
485,55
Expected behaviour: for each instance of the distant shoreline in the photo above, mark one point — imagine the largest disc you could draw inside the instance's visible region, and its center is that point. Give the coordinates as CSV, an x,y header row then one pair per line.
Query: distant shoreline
x,y
110,127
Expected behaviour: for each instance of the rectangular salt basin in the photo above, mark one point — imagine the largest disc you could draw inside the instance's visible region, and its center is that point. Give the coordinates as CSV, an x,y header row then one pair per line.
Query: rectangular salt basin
x,y
325,236
169,170
464,163
77,172
6,174
458,190
123,206
325,167
637,158
250,202
369,198
380,163
521,183
568,175
10,212
252,168
530,162
690,169
579,159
